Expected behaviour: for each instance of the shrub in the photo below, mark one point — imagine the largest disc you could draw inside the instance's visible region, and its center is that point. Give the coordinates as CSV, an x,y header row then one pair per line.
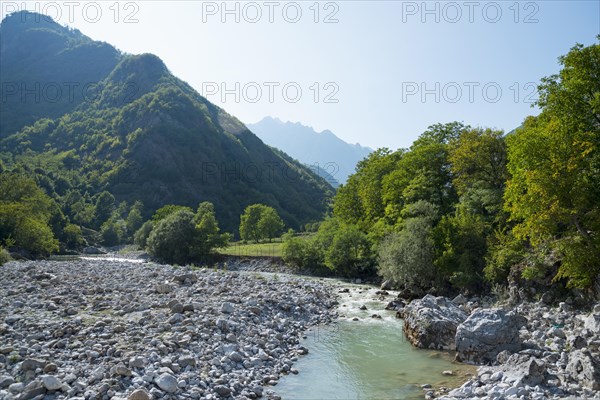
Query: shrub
x,y
349,254
73,237
172,238
304,254
406,258
113,232
183,236
140,237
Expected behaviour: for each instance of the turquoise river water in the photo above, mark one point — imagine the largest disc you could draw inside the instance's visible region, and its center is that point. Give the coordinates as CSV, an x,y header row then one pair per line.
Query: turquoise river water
x,y
366,359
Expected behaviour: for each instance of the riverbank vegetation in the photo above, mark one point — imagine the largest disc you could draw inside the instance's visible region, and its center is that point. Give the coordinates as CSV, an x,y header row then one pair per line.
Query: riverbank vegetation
x,y
466,207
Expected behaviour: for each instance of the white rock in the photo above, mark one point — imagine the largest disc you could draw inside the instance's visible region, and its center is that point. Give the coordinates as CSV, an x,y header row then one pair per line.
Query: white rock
x,y
167,382
51,382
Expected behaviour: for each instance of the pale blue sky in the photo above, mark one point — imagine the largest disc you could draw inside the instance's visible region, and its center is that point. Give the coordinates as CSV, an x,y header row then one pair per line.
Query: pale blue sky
x,y
377,57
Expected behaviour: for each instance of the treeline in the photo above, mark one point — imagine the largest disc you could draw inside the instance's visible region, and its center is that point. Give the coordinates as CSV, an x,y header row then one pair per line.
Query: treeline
x,y
42,213
464,207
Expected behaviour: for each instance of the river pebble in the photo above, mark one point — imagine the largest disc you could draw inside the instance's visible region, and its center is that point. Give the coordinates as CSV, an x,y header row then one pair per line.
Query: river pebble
x,y
100,329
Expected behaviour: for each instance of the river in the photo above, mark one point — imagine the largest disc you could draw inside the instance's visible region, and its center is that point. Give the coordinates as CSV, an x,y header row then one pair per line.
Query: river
x,y
367,359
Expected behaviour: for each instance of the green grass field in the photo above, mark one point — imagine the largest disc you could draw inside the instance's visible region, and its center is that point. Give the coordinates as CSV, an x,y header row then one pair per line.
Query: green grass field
x,y
264,249
253,249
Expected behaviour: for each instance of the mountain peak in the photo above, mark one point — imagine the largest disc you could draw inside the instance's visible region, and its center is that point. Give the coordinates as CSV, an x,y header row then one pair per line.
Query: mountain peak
x,y
22,21
146,68
322,149
35,49
29,19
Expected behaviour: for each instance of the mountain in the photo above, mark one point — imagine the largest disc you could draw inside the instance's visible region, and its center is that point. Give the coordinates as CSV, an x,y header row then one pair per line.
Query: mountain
x,y
322,150
128,126
42,64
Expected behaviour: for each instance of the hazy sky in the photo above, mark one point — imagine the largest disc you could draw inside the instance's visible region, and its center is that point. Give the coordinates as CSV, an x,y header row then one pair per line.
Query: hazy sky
x,y
374,72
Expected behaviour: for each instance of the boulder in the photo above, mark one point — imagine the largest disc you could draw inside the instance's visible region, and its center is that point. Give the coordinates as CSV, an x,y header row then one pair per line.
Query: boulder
x,y
592,322
137,362
395,305
167,382
222,390
431,322
584,369
486,333
6,381
31,364
524,368
185,361
51,382
32,390
122,370
176,308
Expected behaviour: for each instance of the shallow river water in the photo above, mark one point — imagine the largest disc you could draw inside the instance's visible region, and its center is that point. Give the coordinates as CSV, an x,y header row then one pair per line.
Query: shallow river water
x,y
366,359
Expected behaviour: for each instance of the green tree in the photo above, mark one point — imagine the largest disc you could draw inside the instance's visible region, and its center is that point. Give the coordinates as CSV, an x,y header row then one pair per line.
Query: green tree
x,y
292,249
249,222
167,210
73,237
141,235
554,161
105,205
134,219
406,258
304,254
270,223
478,156
25,215
4,255
461,247
350,252
207,231
113,231
183,236
172,240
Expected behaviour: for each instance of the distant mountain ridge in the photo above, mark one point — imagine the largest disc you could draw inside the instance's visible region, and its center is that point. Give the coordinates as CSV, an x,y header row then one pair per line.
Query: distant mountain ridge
x,y
321,150
142,134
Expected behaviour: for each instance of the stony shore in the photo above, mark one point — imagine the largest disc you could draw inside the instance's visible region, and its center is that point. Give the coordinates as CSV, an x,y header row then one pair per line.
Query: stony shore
x,y
91,329
528,351
558,357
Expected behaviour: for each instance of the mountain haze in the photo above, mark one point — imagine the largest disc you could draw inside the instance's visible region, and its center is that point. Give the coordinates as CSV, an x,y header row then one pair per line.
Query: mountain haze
x,y
321,150
137,131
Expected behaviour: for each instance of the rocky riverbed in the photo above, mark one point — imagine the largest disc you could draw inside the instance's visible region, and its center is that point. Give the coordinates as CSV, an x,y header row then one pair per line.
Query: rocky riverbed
x,y
100,329
529,351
